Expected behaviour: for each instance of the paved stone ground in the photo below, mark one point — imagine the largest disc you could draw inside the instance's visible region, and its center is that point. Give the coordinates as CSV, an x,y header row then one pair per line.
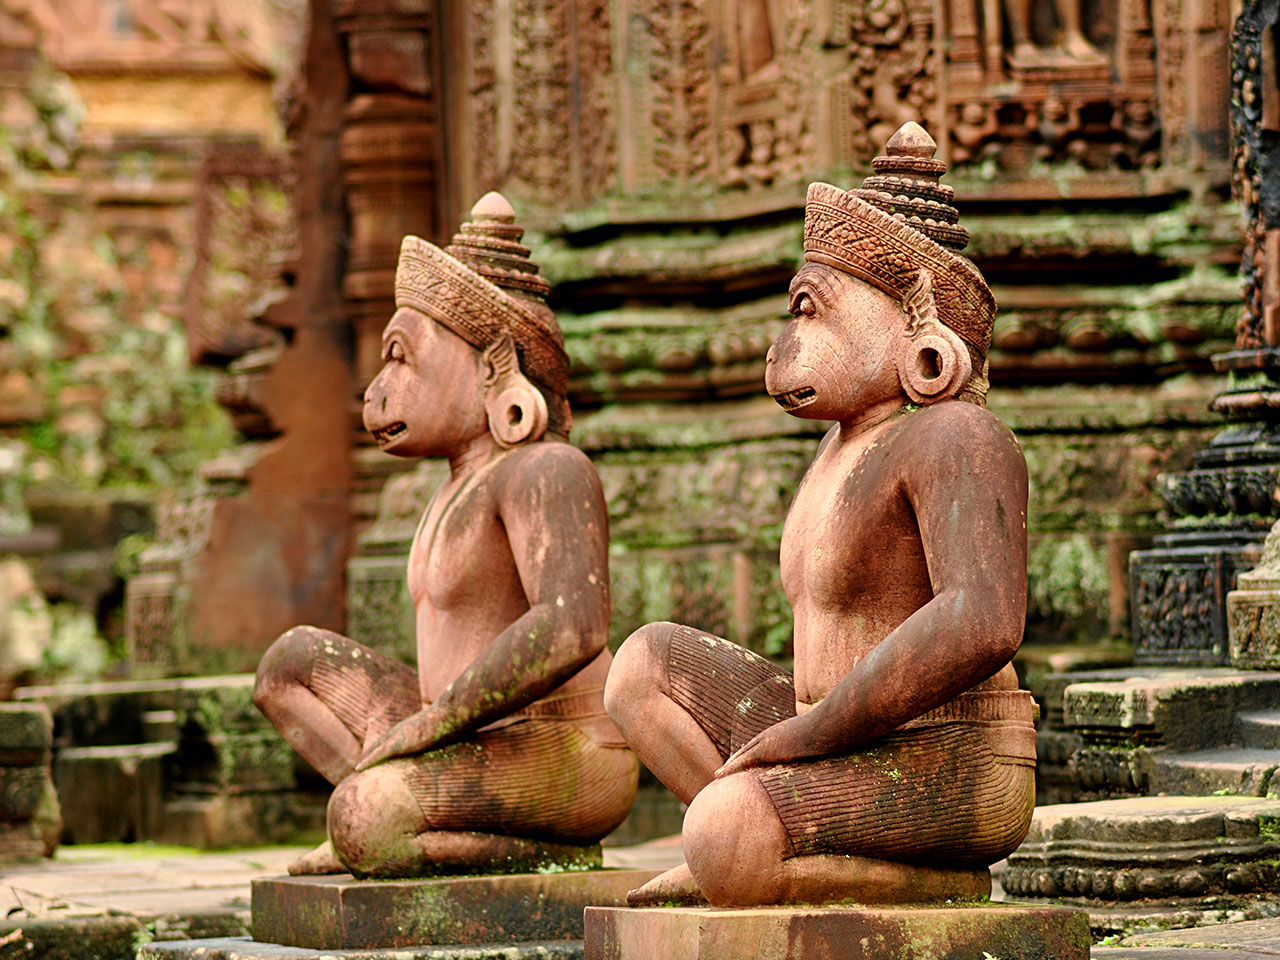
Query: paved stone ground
x,y
173,893
1249,940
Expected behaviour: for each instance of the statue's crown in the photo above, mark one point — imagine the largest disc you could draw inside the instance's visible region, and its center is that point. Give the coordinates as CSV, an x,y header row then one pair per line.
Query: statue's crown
x,y
902,220
490,245
484,285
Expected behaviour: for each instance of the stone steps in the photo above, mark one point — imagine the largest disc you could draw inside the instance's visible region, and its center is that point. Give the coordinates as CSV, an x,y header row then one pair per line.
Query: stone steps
x,y
1259,729
1238,771
187,760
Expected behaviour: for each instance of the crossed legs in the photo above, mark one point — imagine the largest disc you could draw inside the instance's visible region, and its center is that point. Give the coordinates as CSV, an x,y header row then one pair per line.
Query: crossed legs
x,y
839,828
485,803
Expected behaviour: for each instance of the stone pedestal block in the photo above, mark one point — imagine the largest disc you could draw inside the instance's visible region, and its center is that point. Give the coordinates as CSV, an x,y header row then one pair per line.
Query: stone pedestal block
x,y
26,734
112,794
241,820
337,913
30,821
1183,709
943,932
1149,848
1253,611
1179,590
1185,731
237,948
1253,627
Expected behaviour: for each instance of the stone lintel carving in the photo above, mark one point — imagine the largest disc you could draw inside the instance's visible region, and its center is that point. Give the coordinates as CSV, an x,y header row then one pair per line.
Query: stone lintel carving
x,y
188,35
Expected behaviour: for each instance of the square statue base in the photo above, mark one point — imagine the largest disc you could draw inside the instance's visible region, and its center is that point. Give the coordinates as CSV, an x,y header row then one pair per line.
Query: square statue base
x,y
238,948
942,932
342,913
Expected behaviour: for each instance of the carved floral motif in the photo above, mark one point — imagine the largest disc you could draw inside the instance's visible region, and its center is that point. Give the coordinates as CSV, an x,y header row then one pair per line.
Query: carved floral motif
x,y
680,69
893,69
1250,116
542,96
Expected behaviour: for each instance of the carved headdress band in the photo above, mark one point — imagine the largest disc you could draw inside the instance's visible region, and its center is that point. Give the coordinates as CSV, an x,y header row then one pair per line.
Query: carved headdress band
x,y
898,223
482,286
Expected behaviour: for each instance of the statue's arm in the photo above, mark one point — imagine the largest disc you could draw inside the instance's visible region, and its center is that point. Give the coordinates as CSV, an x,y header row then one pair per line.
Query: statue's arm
x,y
968,489
552,507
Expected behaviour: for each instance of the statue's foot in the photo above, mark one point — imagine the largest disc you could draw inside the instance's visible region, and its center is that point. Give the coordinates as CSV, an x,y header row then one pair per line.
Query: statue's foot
x,y
1078,48
318,862
1027,56
675,886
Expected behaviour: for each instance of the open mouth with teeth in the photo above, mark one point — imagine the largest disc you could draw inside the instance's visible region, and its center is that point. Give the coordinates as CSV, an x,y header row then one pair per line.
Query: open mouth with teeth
x,y
390,433
796,398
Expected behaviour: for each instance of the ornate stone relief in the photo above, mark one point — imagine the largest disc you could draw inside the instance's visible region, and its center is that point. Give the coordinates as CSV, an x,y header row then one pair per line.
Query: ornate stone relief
x,y
78,33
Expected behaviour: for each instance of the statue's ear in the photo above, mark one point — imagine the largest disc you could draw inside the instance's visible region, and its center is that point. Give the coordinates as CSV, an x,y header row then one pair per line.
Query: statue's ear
x,y
933,362
516,409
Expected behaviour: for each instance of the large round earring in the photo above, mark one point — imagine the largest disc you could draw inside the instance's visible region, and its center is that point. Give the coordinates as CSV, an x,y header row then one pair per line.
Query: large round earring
x,y
933,365
516,409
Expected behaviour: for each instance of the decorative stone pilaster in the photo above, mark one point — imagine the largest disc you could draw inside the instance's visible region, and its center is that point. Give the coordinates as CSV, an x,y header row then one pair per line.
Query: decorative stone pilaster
x,y
1253,612
1224,505
391,153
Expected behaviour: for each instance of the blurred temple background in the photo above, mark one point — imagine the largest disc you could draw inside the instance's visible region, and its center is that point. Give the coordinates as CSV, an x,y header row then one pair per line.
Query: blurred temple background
x,y
202,203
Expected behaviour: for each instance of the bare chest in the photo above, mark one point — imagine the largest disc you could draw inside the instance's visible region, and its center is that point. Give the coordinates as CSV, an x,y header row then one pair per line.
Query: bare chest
x,y
460,554
850,541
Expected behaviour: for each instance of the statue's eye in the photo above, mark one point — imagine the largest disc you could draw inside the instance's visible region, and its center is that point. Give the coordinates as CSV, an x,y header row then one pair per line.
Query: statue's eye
x,y
803,306
395,352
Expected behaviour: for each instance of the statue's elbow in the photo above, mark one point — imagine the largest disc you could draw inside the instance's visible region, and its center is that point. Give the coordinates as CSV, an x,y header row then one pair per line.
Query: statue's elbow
x,y
994,629
1003,629
592,636
584,630
1007,641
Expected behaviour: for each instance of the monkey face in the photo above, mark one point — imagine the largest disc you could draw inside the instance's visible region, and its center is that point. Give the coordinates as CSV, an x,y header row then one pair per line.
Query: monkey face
x,y
835,359
428,398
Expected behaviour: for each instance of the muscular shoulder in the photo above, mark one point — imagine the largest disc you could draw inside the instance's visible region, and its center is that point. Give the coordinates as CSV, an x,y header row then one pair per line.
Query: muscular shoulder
x,y
549,469
958,436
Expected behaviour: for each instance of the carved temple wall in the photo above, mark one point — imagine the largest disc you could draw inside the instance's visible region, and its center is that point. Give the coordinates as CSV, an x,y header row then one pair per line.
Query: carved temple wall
x,y
660,150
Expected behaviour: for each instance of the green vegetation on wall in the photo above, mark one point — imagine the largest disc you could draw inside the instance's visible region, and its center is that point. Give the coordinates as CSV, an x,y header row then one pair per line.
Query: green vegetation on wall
x,y
97,387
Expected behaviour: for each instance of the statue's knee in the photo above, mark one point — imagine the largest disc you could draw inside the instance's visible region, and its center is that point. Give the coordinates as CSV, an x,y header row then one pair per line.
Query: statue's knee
x,y
639,668
343,819
287,661
372,819
735,843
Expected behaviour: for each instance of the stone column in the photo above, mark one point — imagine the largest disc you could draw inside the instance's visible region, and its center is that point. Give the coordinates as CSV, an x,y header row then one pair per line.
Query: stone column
x,y
390,153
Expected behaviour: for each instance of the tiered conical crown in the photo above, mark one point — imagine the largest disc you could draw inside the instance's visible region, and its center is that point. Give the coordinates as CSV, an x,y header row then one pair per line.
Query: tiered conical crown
x,y
905,186
898,223
490,245
482,286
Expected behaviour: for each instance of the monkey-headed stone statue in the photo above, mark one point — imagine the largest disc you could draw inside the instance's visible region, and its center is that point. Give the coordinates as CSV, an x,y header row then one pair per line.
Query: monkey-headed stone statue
x,y
898,761
496,753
